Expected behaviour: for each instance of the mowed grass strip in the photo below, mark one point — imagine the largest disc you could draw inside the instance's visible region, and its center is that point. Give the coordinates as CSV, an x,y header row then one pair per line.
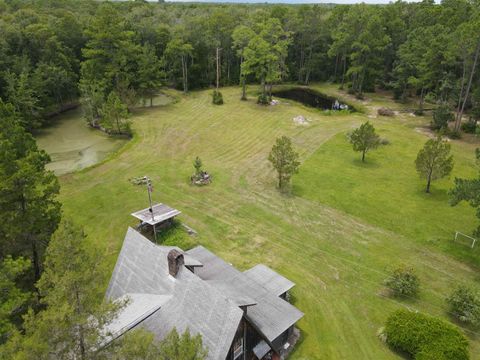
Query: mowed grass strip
x,y
337,258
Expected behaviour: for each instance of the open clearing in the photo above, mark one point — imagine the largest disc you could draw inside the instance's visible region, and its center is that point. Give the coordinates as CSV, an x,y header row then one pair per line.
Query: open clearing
x,y
336,236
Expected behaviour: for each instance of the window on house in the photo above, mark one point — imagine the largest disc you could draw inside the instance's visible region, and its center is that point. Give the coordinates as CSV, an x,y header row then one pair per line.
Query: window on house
x,y
238,349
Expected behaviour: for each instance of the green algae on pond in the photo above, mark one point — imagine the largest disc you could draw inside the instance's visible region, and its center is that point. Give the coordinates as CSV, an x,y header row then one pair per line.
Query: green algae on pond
x,y
73,145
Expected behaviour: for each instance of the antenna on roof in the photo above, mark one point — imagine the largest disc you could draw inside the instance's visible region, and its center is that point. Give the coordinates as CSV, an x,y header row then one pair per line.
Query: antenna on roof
x,y
148,181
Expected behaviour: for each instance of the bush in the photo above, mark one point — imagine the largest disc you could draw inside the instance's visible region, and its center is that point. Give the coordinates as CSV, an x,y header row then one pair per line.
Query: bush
x,y
263,100
217,97
403,282
441,117
425,337
470,126
385,112
465,305
384,141
452,134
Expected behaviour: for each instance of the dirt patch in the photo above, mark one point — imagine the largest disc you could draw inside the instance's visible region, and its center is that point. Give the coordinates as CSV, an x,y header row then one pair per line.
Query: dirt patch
x,y
301,120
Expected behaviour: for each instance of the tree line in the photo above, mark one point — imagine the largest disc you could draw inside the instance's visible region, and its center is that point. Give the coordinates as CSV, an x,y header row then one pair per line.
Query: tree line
x,y
55,52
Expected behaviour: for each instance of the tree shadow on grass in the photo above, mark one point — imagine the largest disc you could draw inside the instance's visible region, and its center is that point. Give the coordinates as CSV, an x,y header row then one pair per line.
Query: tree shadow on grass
x,y
435,195
367,164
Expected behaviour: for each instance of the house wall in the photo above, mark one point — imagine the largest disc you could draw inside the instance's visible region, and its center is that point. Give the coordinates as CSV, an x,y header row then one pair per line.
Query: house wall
x,y
282,339
250,338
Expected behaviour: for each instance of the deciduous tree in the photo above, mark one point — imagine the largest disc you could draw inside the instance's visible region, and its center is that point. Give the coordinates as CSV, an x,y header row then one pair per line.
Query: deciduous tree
x,y
284,160
434,161
115,115
468,190
364,139
241,37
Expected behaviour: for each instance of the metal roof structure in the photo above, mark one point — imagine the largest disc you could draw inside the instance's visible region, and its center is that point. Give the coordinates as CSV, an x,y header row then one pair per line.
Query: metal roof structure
x,y
207,302
159,214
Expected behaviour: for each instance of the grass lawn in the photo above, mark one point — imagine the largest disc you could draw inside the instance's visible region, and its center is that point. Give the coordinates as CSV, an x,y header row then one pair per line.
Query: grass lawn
x,y
345,224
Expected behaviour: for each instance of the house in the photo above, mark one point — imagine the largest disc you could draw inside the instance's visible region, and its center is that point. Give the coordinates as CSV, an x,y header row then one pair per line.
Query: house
x,y
240,315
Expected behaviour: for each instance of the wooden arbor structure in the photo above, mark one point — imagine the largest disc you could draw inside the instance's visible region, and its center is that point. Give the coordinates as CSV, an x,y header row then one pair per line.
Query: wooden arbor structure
x,y
156,217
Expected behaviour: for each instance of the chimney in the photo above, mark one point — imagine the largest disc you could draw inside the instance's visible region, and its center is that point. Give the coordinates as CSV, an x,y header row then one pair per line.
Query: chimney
x,y
175,262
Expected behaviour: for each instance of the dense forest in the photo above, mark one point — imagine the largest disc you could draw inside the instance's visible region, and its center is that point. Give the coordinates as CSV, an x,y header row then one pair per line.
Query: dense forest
x,y
55,52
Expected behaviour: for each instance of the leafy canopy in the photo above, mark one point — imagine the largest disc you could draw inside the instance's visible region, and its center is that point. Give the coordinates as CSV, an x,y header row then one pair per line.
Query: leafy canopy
x,y
364,139
468,190
464,304
434,160
284,160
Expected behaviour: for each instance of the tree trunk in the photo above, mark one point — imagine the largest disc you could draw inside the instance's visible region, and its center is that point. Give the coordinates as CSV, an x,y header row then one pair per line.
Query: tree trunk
x,y
469,85
228,67
264,88
307,66
151,101
420,105
429,180
301,65
35,261
344,70
183,74
118,124
363,155
186,76
244,90
81,335
218,68
336,69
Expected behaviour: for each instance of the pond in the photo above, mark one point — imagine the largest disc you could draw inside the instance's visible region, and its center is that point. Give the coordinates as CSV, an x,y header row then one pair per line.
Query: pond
x,y
312,98
73,145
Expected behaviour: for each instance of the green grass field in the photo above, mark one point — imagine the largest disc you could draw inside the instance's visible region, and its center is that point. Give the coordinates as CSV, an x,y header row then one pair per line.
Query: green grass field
x,y
336,236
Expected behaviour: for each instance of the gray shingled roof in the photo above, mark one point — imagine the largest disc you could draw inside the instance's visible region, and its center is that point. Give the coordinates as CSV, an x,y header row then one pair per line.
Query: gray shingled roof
x,y
203,310
207,302
269,279
271,316
138,307
142,267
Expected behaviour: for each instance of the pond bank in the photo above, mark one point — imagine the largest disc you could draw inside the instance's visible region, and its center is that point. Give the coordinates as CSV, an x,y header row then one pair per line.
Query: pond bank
x,y
312,98
73,145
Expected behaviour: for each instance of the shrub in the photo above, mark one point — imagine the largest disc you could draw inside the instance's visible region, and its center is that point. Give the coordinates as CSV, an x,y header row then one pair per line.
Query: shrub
x,y
453,134
441,117
217,97
425,337
385,112
470,126
384,141
465,305
403,282
263,99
